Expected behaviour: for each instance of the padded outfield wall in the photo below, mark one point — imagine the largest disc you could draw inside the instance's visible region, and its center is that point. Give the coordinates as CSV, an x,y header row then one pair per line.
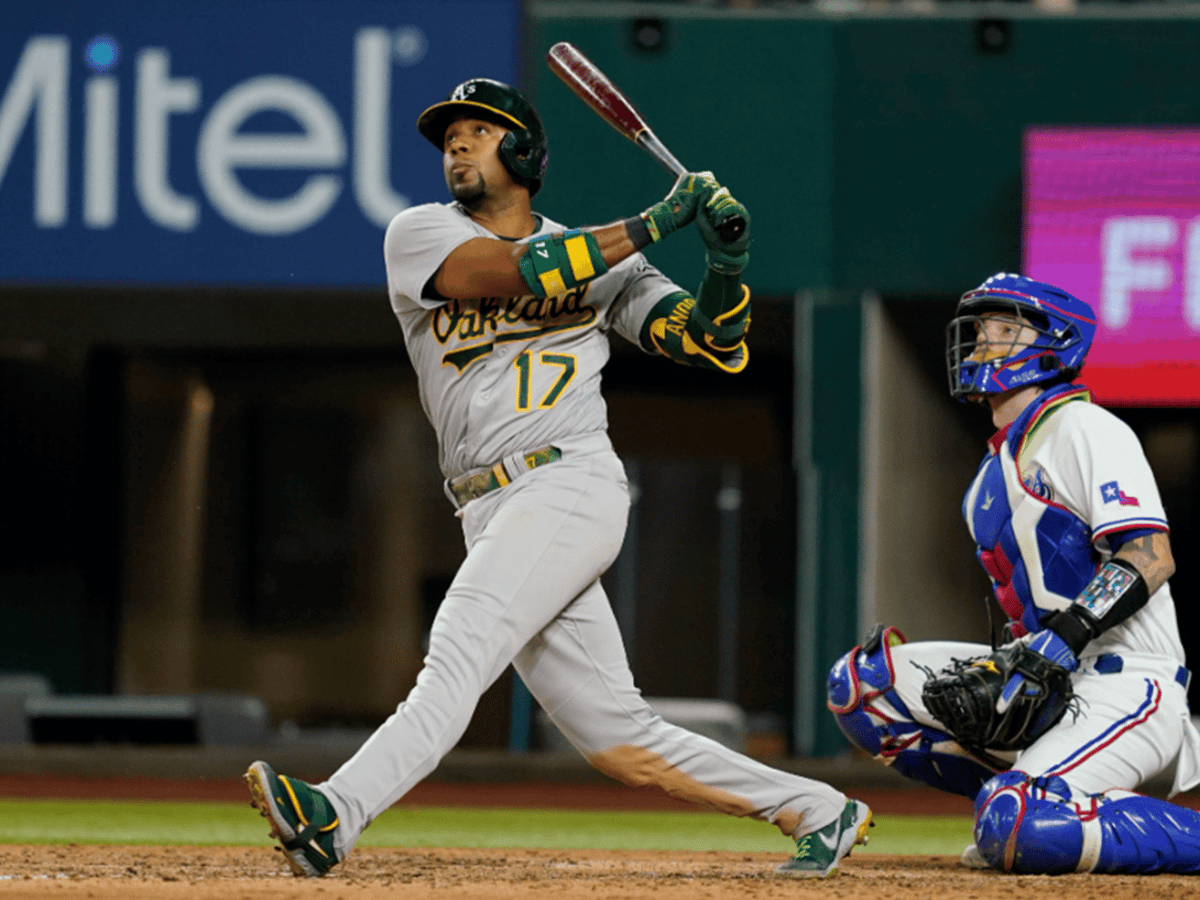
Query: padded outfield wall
x,y
879,151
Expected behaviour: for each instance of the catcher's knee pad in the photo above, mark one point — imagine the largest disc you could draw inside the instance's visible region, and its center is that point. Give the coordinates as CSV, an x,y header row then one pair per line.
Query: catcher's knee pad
x,y
1028,825
862,698
1036,826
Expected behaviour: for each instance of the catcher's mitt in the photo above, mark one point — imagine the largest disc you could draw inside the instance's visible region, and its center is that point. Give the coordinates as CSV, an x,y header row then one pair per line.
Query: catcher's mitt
x,y
1000,702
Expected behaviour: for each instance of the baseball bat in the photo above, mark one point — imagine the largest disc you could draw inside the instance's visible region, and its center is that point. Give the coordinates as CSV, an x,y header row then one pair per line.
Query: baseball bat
x,y
591,86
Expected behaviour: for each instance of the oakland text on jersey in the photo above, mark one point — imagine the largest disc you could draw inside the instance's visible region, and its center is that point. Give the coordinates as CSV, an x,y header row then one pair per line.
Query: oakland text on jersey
x,y
496,316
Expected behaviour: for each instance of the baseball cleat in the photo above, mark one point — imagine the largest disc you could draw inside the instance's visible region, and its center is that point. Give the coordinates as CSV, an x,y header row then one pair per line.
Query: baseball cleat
x,y
818,853
301,819
973,859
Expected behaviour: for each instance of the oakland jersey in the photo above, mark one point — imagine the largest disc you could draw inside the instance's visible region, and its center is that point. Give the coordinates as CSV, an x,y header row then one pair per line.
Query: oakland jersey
x,y
1058,486
504,375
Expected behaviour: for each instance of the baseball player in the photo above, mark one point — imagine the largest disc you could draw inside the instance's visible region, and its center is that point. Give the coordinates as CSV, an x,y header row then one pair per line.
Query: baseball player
x,y
506,316
1089,697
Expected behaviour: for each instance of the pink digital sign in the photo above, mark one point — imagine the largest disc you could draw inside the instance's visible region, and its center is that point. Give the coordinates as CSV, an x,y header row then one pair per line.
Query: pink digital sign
x,y
1113,216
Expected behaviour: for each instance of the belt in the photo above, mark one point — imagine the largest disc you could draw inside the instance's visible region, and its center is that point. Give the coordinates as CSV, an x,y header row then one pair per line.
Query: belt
x,y
1107,663
473,485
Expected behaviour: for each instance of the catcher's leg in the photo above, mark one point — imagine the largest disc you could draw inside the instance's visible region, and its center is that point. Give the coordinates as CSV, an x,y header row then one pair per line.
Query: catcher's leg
x,y
1037,826
1129,723
866,694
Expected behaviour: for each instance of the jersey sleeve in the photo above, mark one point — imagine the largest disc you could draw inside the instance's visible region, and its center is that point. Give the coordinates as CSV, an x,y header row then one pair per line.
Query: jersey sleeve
x,y
417,242
643,287
1114,485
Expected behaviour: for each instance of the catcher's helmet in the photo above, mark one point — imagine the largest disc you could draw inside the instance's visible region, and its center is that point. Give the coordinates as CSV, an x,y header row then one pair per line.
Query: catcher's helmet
x,y
1064,325
523,150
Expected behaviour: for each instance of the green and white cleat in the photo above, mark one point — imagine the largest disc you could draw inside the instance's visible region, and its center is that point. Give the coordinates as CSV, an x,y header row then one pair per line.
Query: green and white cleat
x,y
818,853
301,819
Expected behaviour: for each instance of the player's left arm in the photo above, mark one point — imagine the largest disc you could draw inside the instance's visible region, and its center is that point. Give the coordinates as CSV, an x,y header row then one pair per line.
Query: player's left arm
x,y
709,329
1120,588
1121,501
550,264
1151,556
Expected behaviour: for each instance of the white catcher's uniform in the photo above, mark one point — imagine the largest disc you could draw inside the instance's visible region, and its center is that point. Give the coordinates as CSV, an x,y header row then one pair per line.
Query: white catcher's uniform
x,y
500,378
1055,486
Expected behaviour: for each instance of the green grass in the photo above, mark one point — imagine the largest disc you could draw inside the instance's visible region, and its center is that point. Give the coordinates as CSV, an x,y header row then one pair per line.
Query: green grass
x,y
127,822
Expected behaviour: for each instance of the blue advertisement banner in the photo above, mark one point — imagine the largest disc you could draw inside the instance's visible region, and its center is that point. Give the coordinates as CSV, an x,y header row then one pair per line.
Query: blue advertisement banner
x,y
259,142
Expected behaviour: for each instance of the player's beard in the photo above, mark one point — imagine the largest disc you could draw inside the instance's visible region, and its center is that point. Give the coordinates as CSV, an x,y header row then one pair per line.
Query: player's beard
x,y
469,193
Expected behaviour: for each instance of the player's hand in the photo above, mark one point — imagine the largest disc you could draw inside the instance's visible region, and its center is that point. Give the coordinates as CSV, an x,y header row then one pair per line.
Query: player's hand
x,y
1026,681
678,208
728,258
1049,644
1051,648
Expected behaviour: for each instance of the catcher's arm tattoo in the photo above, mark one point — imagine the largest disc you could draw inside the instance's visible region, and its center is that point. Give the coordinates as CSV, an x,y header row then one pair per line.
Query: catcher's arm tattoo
x,y
1119,588
1151,556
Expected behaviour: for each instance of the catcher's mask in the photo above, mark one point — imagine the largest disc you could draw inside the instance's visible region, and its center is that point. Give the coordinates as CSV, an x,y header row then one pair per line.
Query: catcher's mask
x,y
523,150
1058,330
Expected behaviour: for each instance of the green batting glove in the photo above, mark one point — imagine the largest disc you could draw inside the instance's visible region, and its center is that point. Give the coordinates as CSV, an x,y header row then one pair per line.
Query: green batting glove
x,y
727,258
679,207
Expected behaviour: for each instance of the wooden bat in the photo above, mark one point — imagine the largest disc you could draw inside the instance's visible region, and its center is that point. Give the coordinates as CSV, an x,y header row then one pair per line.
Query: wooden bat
x,y
591,86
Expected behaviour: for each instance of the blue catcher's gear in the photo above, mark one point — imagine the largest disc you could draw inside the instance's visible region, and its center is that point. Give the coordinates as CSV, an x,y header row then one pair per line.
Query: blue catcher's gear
x,y
523,150
862,697
1064,327
1035,826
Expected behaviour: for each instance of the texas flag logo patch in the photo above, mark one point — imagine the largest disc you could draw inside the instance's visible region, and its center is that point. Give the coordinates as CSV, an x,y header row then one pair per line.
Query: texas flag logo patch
x,y
1112,491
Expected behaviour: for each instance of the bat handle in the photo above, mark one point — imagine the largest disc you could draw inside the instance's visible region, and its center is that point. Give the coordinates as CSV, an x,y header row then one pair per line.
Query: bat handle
x,y
732,228
648,141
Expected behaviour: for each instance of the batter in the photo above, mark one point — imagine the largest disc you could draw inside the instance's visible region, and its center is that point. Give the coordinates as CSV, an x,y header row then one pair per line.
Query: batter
x,y
1069,526
506,316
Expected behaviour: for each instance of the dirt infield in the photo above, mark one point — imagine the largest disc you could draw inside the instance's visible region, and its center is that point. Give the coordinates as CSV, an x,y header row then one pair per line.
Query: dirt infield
x,y
257,873
133,873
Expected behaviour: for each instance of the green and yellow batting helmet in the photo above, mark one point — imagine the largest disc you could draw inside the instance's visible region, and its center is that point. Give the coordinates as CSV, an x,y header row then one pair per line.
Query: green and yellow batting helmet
x,y
523,150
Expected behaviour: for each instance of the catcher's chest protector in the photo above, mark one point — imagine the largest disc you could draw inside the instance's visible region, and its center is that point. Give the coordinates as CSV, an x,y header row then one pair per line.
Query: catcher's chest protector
x,y
1038,554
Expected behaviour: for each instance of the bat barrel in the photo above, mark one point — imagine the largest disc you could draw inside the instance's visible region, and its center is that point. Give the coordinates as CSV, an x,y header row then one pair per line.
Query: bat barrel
x,y
588,83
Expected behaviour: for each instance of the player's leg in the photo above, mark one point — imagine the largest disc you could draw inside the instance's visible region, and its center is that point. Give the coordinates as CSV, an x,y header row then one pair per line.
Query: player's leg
x,y
578,671
1068,804
1039,826
874,693
532,547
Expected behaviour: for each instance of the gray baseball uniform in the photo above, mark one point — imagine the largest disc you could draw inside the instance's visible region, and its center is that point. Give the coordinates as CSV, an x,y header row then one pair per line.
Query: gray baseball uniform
x,y
512,387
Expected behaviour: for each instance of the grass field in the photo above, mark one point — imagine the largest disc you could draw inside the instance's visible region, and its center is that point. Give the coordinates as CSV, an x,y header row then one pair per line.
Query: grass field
x,y
231,824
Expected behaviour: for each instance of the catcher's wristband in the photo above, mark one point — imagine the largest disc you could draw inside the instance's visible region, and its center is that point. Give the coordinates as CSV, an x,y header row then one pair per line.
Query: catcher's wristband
x,y
1115,593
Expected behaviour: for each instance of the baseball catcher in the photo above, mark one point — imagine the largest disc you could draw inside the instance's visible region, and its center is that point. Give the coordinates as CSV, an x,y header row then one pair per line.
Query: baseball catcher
x,y
1051,732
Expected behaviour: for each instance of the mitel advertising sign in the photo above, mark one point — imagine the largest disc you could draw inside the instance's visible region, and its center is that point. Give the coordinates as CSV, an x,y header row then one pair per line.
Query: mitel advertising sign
x,y
260,142
1113,216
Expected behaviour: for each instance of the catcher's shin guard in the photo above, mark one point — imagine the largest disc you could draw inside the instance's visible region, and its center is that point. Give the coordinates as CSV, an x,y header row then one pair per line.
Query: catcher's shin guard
x,y
1034,826
862,698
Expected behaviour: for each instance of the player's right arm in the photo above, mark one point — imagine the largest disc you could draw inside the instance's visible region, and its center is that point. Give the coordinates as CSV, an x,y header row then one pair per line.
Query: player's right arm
x,y
708,330
551,264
